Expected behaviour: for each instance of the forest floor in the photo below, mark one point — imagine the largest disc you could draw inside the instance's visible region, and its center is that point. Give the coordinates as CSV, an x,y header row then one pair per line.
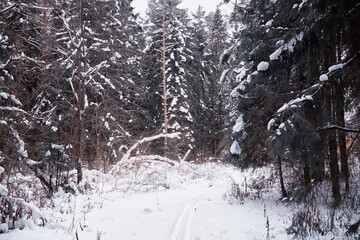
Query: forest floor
x,y
197,203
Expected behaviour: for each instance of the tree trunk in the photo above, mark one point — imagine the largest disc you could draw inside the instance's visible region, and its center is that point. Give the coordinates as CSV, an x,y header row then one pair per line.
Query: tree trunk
x,y
164,79
340,118
334,169
44,28
340,115
283,190
307,176
333,162
81,95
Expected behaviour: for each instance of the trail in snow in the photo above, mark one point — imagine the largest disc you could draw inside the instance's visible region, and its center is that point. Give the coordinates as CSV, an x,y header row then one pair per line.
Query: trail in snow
x,y
182,225
192,211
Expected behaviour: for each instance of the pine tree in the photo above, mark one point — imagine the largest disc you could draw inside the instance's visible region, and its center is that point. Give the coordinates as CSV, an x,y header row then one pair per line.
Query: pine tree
x,y
177,57
216,82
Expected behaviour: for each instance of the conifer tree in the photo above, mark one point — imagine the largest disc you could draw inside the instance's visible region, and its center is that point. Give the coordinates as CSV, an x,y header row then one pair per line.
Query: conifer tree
x,y
177,58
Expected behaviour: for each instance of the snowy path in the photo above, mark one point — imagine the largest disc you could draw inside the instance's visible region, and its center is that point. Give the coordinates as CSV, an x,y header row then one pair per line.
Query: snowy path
x,y
194,211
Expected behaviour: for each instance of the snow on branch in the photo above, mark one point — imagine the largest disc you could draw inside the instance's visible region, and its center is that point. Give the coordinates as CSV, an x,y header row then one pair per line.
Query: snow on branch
x,y
126,157
332,127
186,155
288,46
294,103
356,6
3,66
13,109
148,139
333,68
8,8
93,70
153,158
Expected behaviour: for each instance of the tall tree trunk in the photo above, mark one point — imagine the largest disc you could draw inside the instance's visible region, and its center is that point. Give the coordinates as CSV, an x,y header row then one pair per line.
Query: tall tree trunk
x,y
340,118
164,78
307,176
281,178
333,162
44,28
334,169
81,94
340,115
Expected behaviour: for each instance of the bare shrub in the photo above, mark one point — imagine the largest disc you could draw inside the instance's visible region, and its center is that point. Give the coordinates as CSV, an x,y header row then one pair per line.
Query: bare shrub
x,y
234,195
308,222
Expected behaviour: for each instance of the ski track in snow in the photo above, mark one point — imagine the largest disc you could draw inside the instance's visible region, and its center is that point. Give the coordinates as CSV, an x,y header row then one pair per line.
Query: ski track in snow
x,y
182,226
191,211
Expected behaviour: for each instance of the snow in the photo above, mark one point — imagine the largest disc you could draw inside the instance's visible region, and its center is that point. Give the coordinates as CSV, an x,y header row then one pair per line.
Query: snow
x,y
239,124
282,126
288,46
48,153
270,124
31,162
336,67
3,227
3,191
223,75
269,23
1,170
241,75
21,144
4,95
56,146
156,200
302,4
263,66
195,203
275,55
324,78
184,110
235,148
16,101
293,102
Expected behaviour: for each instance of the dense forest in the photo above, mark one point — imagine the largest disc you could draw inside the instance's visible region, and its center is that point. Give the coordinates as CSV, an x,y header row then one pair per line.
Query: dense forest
x,y
276,83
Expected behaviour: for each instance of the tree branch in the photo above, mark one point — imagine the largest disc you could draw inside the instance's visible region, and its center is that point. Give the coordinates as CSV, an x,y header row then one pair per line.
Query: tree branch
x,y
332,127
8,8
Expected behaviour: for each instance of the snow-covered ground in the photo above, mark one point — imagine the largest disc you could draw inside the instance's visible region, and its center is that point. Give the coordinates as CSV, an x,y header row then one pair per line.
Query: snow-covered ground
x,y
195,204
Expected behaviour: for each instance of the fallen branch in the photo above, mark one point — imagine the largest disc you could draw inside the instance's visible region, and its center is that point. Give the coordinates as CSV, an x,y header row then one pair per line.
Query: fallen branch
x,y
154,158
126,158
186,155
148,139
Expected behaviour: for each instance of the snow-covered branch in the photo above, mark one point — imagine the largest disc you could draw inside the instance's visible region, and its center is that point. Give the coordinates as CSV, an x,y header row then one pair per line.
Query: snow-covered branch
x,y
153,158
93,70
8,8
127,157
13,109
332,127
148,139
333,68
3,66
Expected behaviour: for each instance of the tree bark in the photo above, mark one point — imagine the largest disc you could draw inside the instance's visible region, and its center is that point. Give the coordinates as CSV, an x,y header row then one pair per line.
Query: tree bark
x,y
340,119
307,175
81,94
334,169
164,79
281,178
340,115
44,28
333,162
